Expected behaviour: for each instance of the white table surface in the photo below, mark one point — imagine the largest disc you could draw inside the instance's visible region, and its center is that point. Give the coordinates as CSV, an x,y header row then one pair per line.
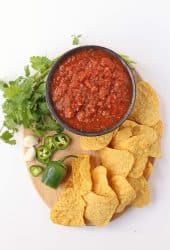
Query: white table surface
x,y
140,29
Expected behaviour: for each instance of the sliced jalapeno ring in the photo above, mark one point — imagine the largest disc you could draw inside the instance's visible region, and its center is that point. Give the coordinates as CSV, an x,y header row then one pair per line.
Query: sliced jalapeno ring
x,y
49,142
36,170
43,154
61,141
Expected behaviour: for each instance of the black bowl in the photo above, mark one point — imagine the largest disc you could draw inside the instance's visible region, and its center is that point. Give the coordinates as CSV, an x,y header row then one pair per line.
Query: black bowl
x,y
50,103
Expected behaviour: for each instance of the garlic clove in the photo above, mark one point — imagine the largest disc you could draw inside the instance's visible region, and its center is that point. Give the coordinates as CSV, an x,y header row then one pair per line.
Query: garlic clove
x,y
30,141
30,154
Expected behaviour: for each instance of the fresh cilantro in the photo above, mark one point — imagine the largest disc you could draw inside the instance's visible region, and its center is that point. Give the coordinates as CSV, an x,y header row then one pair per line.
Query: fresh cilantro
x,y
76,39
3,85
27,70
40,63
52,125
6,137
128,61
25,102
12,90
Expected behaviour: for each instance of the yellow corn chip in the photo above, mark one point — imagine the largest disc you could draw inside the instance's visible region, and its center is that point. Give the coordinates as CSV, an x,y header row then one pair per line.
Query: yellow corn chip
x,y
69,209
141,188
148,170
121,135
100,209
146,110
115,132
129,124
100,182
118,162
125,192
139,147
69,182
95,142
151,136
149,133
158,127
139,166
155,149
81,174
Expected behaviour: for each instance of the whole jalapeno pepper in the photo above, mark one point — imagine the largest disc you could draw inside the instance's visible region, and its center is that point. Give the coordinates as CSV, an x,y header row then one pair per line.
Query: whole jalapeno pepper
x,y
55,172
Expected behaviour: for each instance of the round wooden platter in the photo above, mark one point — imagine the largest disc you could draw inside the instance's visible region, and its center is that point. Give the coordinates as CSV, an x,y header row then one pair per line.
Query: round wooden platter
x,y
50,195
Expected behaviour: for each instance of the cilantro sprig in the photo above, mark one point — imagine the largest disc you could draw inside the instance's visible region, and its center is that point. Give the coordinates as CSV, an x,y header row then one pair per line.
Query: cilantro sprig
x,y
76,39
6,137
25,102
127,59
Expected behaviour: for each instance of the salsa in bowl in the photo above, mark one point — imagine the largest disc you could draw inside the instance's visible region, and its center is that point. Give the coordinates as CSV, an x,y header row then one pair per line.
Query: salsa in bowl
x,y
90,90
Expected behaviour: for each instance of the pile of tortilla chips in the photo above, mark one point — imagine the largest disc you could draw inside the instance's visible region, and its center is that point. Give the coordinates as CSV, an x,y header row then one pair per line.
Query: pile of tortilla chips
x,y
95,194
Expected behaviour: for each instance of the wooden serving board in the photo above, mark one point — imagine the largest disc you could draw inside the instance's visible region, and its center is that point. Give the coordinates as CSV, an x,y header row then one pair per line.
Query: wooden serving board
x,y
50,195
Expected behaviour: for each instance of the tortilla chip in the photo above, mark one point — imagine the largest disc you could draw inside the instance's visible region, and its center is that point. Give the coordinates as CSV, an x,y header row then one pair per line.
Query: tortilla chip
x,y
115,132
95,142
142,190
129,124
146,110
100,181
125,192
152,135
139,147
139,166
155,149
81,174
152,138
158,127
100,209
118,162
121,135
69,209
69,182
148,170
149,133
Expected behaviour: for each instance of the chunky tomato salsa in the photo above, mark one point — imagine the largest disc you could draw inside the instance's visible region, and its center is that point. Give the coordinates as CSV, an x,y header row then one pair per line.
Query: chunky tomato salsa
x,y
91,90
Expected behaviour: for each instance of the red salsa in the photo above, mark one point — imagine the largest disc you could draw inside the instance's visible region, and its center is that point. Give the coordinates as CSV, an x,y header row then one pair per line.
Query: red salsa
x,y
91,90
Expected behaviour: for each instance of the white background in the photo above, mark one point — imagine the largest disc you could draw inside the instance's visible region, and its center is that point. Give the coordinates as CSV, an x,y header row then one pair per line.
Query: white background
x,y
140,29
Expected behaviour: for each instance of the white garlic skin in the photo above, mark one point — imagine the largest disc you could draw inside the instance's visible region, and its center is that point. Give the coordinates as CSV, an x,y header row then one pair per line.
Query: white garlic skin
x,y
30,141
30,154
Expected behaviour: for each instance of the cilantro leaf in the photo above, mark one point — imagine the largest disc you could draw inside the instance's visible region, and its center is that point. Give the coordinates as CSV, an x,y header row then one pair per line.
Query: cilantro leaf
x,y
6,137
43,108
52,125
27,70
3,85
76,39
12,91
40,63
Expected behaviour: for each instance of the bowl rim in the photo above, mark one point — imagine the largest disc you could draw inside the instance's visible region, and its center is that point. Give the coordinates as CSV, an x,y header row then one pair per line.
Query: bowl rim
x,y
49,102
